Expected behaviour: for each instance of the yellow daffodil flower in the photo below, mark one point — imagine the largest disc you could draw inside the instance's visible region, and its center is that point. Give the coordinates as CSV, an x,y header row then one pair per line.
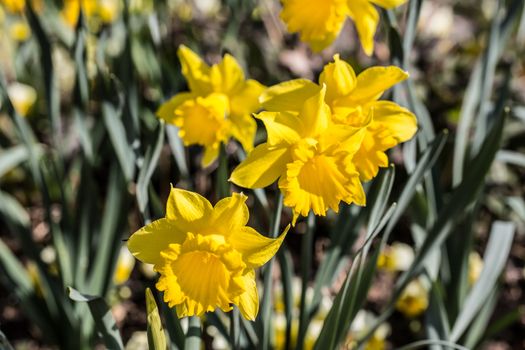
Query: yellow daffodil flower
x,y
361,325
20,31
475,265
353,101
125,265
205,255
107,11
413,301
319,21
309,155
396,257
218,106
13,6
22,96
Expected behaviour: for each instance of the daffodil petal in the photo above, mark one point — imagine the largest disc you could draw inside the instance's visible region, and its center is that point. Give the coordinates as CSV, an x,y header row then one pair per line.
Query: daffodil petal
x,y
399,121
246,100
315,114
289,95
366,19
187,208
210,154
195,70
249,300
262,167
255,248
230,214
166,110
281,127
339,78
318,22
227,76
243,128
372,82
388,4
147,243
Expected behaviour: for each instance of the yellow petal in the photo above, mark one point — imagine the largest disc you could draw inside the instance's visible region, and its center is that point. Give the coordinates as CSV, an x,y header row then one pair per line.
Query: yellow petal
x,y
230,214
243,128
388,4
210,154
249,300
281,127
346,137
147,243
196,72
187,209
166,110
227,76
366,18
246,100
315,114
400,122
317,22
339,78
255,248
262,167
372,82
288,96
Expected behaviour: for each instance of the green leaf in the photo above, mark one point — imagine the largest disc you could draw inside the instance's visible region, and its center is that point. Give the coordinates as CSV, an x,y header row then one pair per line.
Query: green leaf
x,y
156,336
194,334
149,165
117,135
12,157
498,249
104,321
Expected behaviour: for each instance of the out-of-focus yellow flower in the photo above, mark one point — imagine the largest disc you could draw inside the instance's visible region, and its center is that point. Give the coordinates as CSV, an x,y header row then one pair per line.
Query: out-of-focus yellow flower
x,y
218,106
361,325
319,21
107,11
19,31
353,101
205,255
13,6
475,265
22,96
34,275
413,300
125,264
309,155
396,257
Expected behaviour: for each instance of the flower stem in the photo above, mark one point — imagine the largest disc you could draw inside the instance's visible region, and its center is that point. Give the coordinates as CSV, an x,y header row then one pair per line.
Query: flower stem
x,y
222,184
266,311
193,336
306,264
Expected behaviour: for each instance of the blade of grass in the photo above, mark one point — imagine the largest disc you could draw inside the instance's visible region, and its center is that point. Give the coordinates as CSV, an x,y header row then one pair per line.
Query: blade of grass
x,y
156,336
104,321
498,249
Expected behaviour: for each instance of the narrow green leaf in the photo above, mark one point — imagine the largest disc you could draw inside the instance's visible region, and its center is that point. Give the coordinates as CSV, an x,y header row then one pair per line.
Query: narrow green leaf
x,y
156,336
12,157
104,321
149,165
117,135
498,249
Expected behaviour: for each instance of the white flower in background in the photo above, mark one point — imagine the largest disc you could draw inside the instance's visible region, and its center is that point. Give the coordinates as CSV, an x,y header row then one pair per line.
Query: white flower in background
x,y
413,301
396,257
363,322
22,96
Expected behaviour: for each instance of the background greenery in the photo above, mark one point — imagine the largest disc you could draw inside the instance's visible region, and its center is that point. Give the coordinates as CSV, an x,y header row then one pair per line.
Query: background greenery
x,y
90,163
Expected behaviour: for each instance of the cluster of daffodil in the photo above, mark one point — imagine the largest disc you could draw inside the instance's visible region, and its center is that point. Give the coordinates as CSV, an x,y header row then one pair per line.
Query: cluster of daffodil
x,y
319,21
323,140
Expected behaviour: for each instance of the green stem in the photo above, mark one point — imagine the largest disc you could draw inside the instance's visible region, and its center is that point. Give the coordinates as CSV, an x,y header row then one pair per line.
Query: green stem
x,y
266,311
223,186
193,336
306,262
